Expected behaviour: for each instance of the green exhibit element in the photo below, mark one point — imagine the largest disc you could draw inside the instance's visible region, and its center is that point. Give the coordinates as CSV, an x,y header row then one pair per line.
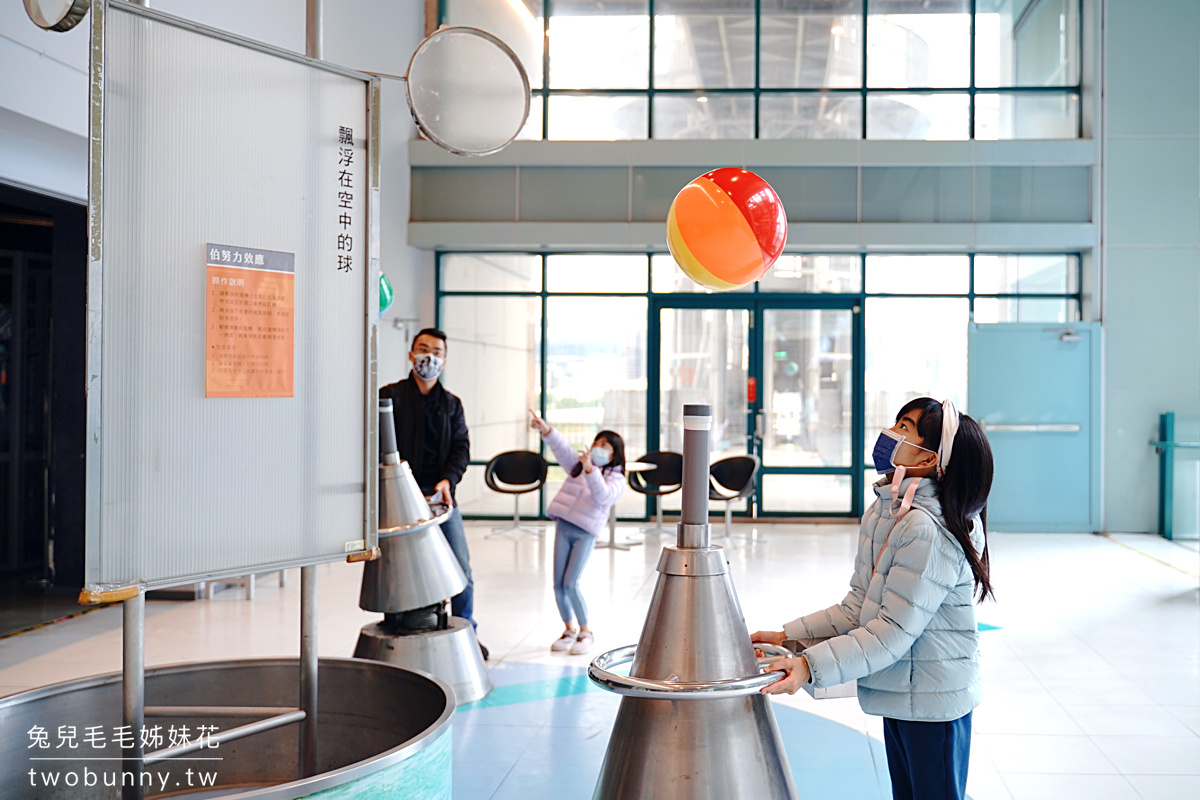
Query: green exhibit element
x,y
983,626
536,690
780,355
425,775
386,295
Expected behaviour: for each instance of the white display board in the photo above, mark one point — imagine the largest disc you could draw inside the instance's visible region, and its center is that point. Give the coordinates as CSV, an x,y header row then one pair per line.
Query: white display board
x,y
232,305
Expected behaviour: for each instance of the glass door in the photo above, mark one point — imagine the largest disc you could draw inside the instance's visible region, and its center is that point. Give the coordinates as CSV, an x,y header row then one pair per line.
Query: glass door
x,y
704,357
784,378
805,410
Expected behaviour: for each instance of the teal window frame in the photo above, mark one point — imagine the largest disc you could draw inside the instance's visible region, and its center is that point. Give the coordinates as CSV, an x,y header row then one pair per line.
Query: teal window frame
x,y
757,90
756,301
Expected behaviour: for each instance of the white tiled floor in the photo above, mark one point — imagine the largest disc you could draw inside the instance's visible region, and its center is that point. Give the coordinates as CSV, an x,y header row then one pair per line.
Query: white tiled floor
x,y
1092,673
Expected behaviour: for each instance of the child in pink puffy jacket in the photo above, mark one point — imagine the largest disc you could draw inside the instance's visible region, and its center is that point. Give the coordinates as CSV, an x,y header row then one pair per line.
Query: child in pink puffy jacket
x,y
595,481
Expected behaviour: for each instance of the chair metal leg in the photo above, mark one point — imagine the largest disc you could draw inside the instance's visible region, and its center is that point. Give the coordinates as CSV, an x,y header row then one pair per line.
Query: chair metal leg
x,y
516,526
657,528
612,543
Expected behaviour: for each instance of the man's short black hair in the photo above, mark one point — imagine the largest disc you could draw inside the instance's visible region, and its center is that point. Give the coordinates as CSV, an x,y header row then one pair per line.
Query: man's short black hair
x,y
434,332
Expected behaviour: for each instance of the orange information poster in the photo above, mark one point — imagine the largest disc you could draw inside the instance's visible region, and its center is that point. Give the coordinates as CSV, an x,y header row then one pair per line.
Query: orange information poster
x,y
250,322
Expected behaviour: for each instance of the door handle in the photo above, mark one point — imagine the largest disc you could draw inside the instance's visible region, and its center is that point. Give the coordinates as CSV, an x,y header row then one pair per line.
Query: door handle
x,y
1039,428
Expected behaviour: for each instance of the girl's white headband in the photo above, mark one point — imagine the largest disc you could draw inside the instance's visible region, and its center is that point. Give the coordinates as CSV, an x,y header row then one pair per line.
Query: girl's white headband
x,y
949,430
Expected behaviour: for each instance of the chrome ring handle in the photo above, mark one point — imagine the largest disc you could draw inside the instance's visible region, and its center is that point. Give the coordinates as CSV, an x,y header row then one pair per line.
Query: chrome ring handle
x,y
772,653
441,511
629,686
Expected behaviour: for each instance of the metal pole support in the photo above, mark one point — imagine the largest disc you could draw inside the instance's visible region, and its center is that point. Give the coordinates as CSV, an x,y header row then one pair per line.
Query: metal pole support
x,y
133,668
308,670
314,30
693,524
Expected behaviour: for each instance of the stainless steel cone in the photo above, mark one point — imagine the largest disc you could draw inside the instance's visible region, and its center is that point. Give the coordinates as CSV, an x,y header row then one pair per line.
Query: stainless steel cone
x,y
416,567
692,723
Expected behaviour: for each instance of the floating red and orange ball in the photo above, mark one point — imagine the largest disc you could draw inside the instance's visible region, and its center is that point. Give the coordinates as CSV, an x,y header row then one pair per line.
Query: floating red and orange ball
x,y
726,228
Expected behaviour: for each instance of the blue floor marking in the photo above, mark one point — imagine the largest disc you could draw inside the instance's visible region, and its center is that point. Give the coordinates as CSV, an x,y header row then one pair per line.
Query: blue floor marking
x,y
826,758
535,690
983,626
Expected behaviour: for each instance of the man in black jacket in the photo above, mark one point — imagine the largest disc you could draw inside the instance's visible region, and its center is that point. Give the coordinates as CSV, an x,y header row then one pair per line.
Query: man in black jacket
x,y
431,435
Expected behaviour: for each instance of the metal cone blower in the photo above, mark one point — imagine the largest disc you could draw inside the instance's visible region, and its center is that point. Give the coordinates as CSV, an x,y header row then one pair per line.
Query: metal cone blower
x,y
692,723
411,582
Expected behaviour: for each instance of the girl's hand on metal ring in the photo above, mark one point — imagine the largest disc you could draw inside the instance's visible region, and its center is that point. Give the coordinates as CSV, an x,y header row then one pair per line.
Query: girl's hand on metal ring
x,y
797,676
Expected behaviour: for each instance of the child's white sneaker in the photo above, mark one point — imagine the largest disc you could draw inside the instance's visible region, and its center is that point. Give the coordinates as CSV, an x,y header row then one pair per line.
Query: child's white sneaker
x,y
564,641
583,643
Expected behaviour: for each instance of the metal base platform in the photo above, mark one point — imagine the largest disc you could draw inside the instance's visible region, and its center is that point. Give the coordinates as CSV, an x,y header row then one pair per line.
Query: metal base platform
x,y
451,655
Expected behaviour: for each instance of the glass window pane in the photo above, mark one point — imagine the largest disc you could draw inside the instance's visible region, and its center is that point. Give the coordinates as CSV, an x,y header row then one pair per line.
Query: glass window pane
x,y
599,45
517,23
806,493
1026,274
491,272
533,126
1026,116
667,278
596,368
709,50
474,497
911,48
806,393
825,115
596,273
1040,193
815,45
714,116
919,274
592,118
917,194
814,274
869,478
705,358
1027,44
493,346
1025,309
916,347
928,117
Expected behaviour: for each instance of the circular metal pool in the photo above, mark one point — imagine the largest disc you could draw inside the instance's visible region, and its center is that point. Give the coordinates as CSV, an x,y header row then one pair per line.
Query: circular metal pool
x,y
382,732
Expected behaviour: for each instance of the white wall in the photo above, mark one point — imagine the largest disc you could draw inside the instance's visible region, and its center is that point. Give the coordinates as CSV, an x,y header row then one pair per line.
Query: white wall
x,y
43,106
1151,224
380,36
44,95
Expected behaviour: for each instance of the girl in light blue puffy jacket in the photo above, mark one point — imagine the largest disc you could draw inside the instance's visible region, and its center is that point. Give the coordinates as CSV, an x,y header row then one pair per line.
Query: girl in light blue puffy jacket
x,y
906,631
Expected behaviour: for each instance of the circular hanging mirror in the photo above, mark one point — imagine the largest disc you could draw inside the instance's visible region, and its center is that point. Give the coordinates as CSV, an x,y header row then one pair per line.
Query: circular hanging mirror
x,y
467,91
57,15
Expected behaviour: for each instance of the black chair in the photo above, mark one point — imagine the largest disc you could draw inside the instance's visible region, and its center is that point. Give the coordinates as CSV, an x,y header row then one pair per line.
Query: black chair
x,y
665,478
516,472
732,479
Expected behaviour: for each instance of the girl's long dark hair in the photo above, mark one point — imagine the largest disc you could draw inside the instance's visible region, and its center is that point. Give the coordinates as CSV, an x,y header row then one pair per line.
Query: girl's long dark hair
x,y
963,489
618,456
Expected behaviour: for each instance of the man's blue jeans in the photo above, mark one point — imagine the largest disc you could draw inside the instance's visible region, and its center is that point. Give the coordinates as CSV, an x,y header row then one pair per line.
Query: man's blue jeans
x,y
463,603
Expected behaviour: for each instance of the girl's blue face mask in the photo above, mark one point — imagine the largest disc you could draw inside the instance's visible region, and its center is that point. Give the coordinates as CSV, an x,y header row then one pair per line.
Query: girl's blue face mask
x,y
600,456
886,447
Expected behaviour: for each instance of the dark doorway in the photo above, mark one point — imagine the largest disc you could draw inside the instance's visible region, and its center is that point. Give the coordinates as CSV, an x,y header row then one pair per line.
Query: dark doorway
x,y
42,407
